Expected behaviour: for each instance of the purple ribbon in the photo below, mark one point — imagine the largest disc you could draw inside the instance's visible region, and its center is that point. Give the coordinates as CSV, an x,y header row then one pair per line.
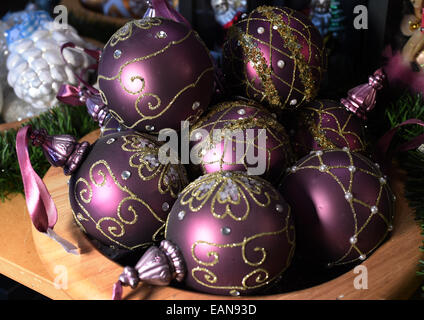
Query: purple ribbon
x,y
385,141
77,95
41,208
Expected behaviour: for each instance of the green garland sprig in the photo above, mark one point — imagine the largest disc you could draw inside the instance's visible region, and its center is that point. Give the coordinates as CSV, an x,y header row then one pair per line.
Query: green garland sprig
x,y
410,106
61,119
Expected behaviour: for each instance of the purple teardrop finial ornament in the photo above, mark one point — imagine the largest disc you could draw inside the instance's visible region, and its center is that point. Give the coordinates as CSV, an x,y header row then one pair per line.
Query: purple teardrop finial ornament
x,y
61,150
362,99
158,266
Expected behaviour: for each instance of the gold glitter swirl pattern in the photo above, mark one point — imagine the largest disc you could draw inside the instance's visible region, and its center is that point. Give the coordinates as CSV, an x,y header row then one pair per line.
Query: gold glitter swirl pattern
x,y
157,102
291,43
206,277
319,130
227,190
291,39
257,120
125,32
171,178
98,178
384,190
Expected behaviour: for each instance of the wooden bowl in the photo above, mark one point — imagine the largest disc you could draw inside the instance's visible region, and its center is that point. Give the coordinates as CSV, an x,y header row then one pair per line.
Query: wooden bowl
x,y
90,275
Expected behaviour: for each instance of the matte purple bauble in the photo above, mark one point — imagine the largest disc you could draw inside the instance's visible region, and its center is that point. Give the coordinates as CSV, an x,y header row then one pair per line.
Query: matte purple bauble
x,y
275,56
234,231
155,73
326,124
342,204
121,195
259,134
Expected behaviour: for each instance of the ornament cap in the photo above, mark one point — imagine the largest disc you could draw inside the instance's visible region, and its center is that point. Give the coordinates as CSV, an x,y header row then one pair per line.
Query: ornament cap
x,y
158,266
60,150
97,109
362,99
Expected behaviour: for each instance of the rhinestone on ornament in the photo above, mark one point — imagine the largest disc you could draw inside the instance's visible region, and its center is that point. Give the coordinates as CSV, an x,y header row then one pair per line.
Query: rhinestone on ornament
x,y
111,140
196,105
235,293
261,30
241,112
293,102
117,54
348,196
374,209
390,228
353,240
323,168
198,136
293,169
225,231
181,215
319,153
352,169
161,35
281,64
279,208
150,128
362,257
383,180
165,206
126,175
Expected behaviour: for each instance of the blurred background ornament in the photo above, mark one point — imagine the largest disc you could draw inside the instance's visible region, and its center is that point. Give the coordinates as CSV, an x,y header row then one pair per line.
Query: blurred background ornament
x,y
337,20
320,15
16,109
23,24
228,12
37,68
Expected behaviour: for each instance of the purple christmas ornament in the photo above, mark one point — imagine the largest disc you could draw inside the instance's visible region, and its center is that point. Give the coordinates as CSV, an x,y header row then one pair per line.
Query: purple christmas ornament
x,y
342,204
155,73
227,234
234,231
326,124
275,56
121,195
241,136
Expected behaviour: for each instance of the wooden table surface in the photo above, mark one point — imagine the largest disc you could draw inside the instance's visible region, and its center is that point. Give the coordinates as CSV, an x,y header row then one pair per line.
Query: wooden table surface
x,y
36,261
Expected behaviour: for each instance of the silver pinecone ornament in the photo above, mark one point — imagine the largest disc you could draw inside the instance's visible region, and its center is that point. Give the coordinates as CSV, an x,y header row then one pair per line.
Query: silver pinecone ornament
x,y
36,67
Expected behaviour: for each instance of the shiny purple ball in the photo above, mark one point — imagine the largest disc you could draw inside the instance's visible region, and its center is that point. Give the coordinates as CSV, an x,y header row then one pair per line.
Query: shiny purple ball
x,y
326,124
240,136
155,73
275,56
121,195
234,231
342,204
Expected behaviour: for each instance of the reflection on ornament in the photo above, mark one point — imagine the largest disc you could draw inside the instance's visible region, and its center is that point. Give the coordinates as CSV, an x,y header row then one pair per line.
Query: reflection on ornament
x,y
342,204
